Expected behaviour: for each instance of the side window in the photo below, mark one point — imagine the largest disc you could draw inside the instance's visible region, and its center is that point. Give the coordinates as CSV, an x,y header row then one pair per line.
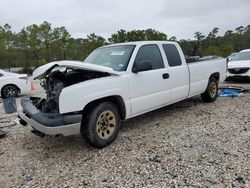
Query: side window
x,y
172,55
152,54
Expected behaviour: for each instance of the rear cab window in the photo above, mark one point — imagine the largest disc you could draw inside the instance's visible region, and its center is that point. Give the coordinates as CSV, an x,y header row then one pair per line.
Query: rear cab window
x,y
172,55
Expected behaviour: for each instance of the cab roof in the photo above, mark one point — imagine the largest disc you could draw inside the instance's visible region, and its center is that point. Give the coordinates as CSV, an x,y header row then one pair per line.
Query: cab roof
x,y
142,43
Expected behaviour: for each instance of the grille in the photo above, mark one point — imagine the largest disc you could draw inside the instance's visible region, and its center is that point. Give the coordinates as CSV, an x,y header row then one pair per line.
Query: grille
x,y
238,70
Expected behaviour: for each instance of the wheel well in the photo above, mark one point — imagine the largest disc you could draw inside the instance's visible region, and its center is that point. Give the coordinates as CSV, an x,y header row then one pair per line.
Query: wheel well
x,y
216,76
19,90
117,100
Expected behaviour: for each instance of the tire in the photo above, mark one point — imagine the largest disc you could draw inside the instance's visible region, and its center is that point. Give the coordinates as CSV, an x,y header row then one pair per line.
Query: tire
x,y
101,125
211,92
9,91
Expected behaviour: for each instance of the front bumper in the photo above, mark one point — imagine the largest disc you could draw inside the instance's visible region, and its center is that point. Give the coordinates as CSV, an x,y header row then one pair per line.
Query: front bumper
x,y
50,124
237,77
238,73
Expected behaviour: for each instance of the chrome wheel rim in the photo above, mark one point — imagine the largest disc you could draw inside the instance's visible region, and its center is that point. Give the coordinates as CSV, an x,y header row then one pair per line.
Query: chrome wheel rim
x,y
106,124
10,91
213,89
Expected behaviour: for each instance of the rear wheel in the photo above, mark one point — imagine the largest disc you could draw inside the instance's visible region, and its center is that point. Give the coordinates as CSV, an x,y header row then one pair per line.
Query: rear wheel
x,y
9,91
101,125
211,92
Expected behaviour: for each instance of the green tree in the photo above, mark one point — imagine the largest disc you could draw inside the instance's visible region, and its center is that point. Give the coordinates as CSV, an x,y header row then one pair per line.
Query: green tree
x,y
120,36
226,50
38,44
212,50
213,33
92,42
7,49
198,43
137,35
173,38
240,30
46,37
59,43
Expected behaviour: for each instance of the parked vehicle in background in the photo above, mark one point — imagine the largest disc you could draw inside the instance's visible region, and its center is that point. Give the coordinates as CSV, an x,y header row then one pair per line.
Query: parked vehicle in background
x,y
13,84
115,83
231,56
210,57
190,59
239,66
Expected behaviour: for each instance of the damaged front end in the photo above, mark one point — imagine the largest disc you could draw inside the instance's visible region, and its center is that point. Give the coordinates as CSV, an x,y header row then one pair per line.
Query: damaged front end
x,y
43,114
48,123
58,79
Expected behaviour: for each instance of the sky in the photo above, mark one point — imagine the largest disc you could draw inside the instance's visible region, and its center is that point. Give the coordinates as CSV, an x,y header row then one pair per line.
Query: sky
x,y
180,18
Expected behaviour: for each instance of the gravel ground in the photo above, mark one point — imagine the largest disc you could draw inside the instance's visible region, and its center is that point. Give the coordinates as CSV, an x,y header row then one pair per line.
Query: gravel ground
x,y
188,144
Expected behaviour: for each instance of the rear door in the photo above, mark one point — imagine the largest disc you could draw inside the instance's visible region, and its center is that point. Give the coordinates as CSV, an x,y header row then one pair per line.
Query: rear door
x,y
149,89
178,72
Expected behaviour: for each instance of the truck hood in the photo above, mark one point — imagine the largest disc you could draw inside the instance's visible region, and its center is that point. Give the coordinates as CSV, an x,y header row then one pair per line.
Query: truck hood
x,y
239,64
44,70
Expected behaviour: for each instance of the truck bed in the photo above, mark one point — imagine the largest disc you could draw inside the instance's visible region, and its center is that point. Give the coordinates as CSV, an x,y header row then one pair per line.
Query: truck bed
x,y
200,71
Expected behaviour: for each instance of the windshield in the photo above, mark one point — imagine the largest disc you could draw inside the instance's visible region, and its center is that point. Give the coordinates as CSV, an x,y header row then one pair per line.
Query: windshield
x,y
241,56
115,57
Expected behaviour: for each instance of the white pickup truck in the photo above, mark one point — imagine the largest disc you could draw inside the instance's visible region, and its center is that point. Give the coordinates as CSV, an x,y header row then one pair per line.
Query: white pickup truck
x,y
115,83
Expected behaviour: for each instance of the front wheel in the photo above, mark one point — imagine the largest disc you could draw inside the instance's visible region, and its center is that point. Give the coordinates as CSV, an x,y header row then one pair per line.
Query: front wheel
x,y
101,125
9,91
211,92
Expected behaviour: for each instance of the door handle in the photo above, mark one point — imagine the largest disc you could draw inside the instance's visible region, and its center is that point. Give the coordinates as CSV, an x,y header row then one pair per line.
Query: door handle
x,y
165,76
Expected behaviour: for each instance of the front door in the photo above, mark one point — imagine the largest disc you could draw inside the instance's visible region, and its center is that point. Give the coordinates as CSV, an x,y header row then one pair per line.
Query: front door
x,y
149,89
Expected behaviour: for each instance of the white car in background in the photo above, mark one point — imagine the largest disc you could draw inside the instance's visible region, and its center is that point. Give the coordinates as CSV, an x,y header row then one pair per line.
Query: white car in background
x,y
230,57
12,84
239,66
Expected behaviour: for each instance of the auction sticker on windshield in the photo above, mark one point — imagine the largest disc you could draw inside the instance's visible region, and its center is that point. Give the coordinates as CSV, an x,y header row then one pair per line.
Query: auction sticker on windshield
x,y
117,53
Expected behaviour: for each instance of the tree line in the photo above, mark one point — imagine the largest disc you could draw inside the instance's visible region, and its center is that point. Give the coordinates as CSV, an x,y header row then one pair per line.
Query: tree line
x,y
231,41
35,44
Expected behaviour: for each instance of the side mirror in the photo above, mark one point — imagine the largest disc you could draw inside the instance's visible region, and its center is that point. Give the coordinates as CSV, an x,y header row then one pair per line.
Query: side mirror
x,y
141,66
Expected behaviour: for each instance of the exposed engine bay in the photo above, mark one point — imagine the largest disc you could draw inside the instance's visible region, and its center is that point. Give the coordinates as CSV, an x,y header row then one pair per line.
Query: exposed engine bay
x,y
58,79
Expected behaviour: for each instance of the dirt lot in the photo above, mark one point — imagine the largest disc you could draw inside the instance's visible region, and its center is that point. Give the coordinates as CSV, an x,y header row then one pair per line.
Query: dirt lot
x,y
188,144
